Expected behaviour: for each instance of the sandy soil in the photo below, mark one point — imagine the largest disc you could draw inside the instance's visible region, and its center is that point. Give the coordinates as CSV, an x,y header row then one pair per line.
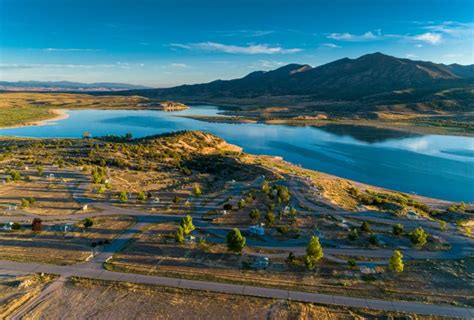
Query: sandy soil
x,y
88,299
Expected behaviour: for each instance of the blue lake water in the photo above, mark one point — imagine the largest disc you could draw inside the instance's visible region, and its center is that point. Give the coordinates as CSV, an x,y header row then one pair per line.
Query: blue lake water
x,y
431,165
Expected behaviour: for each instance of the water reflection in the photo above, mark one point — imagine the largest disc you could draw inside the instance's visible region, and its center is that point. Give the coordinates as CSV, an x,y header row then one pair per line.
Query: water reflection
x,y
431,165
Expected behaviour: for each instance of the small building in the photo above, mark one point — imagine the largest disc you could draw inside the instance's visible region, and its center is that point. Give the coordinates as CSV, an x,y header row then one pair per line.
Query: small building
x,y
156,200
285,210
12,207
260,263
223,212
63,228
258,229
51,176
85,207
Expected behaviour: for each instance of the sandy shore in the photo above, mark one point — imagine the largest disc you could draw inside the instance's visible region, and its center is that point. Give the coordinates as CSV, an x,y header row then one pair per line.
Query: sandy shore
x,y
58,114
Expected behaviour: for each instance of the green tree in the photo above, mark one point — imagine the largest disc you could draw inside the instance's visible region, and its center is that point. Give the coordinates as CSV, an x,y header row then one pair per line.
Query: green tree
x,y
16,176
241,204
396,262
141,196
123,197
40,171
443,226
364,227
88,223
353,234
179,235
270,218
265,186
197,190
235,240
419,237
16,226
397,229
176,200
314,253
187,224
254,214
352,263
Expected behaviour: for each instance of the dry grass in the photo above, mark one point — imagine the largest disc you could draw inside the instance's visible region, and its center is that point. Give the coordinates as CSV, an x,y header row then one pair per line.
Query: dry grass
x,y
57,247
21,108
17,290
113,300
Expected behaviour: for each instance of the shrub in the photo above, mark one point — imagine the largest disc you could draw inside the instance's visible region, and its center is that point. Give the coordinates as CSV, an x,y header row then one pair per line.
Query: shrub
x,y
123,197
141,196
187,224
353,234
364,227
16,226
352,263
87,223
397,229
270,218
419,237
254,214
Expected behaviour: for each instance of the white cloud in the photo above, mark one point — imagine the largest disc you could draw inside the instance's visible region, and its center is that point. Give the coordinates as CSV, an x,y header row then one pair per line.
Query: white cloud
x,y
368,36
331,45
453,28
429,37
179,65
411,56
249,49
69,49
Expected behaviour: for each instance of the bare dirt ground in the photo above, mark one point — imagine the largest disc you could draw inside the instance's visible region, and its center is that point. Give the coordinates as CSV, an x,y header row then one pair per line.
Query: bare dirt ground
x,y
58,247
14,291
89,299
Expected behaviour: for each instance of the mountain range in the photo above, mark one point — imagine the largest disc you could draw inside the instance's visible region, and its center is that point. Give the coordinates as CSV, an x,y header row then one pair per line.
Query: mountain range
x,y
66,86
372,77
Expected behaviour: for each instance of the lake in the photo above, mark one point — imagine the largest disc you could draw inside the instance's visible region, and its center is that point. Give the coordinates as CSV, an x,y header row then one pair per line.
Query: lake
x,y
430,165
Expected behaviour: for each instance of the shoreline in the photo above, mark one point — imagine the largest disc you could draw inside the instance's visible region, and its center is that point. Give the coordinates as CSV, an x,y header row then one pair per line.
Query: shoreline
x,y
57,115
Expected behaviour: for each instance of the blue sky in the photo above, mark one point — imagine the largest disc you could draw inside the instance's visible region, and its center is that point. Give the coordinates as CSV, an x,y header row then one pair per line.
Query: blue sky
x,y
165,43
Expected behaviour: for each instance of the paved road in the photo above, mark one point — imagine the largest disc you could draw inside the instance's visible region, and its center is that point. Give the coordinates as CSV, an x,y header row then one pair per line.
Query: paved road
x,y
386,305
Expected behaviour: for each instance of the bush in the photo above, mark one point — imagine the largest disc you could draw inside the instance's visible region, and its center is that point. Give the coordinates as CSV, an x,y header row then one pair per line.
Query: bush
x,y
187,224
197,190
141,196
87,223
123,197
364,227
397,229
254,214
373,240
419,237
270,218
352,263
282,229
353,234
